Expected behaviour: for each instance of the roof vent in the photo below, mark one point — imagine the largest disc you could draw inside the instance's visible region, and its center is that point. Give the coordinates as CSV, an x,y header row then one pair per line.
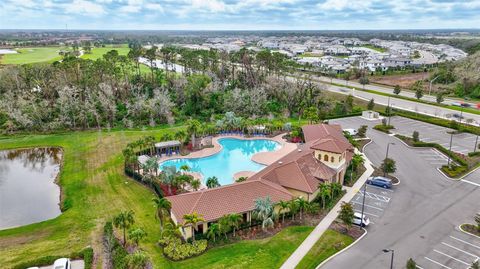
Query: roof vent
x,y
280,162
299,150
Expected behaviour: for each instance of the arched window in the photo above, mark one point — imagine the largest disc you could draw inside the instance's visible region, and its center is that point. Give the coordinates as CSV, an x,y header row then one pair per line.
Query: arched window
x,y
332,159
325,158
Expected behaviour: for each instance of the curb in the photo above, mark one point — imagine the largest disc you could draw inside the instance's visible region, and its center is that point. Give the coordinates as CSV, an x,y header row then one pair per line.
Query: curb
x,y
463,231
364,146
343,250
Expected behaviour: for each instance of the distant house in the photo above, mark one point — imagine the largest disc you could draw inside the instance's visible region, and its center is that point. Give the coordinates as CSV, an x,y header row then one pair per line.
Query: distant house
x,y
323,158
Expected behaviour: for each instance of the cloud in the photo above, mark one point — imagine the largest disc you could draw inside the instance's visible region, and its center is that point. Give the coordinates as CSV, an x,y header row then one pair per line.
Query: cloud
x,y
84,7
154,7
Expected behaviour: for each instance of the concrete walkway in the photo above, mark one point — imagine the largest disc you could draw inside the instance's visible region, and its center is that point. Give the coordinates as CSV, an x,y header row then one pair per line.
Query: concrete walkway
x,y
313,237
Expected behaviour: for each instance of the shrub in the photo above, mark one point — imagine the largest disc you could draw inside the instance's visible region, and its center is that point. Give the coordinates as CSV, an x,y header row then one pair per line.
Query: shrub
x,y
176,250
362,131
115,251
415,136
383,128
454,170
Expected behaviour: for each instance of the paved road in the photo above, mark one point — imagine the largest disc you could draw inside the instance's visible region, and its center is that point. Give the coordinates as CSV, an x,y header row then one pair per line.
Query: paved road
x,y
425,208
389,90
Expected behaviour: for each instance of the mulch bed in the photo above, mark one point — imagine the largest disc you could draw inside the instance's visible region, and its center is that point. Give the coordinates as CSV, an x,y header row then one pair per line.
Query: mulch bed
x,y
355,231
362,143
378,172
471,229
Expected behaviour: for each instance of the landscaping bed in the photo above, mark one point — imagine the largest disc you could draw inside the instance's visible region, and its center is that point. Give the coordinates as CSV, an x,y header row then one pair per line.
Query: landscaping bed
x,y
470,228
362,143
383,128
461,164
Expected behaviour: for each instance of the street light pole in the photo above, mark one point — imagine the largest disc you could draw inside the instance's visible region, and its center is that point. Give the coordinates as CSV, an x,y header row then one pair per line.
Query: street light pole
x,y
430,88
450,148
386,157
476,143
388,107
393,253
363,204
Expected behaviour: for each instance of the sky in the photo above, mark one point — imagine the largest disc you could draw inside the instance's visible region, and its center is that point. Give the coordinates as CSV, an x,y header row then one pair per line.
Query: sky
x,y
239,14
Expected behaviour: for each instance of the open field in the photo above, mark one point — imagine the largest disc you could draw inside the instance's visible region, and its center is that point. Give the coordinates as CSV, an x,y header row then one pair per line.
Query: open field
x,y
33,55
95,189
404,80
99,52
379,49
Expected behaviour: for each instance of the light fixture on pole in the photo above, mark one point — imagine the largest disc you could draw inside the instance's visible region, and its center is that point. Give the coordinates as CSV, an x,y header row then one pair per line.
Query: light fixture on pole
x,y
386,157
391,260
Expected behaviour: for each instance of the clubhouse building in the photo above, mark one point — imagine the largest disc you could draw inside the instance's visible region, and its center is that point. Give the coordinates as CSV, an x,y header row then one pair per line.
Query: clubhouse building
x,y
323,157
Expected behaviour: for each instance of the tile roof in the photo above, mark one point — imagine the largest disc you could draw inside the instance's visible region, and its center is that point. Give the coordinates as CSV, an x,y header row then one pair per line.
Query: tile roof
x,y
326,137
238,197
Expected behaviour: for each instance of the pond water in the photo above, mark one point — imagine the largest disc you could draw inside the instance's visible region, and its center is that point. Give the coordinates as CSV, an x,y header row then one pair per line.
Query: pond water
x,y
8,51
235,156
28,192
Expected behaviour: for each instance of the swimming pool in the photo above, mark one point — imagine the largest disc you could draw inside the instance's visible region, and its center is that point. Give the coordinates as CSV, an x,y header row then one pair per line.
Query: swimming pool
x,y
235,156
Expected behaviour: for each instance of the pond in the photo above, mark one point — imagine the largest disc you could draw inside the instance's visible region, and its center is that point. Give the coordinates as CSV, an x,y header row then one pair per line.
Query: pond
x,y
28,192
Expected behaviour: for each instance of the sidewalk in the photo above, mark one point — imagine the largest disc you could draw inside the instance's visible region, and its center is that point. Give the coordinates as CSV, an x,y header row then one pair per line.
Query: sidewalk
x,y
313,237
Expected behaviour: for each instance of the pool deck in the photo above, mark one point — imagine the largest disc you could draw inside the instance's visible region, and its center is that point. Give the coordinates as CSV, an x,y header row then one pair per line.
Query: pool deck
x,y
265,158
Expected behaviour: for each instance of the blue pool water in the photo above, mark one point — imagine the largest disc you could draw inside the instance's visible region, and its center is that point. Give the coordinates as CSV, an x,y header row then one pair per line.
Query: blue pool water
x,y
234,157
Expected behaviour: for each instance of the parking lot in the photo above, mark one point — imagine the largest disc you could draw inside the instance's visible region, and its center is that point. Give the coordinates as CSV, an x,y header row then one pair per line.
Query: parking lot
x,y
376,202
457,250
462,143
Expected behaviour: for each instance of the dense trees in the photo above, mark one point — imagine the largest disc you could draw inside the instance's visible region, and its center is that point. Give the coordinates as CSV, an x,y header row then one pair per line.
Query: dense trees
x,y
118,91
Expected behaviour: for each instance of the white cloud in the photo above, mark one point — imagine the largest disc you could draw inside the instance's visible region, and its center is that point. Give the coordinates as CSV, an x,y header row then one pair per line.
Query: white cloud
x,y
84,7
209,5
338,5
130,9
154,6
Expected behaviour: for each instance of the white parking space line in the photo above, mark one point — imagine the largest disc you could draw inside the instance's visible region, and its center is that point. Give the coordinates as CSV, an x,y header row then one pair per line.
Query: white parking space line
x,y
374,196
451,257
437,263
366,213
461,250
465,242
419,267
370,206
470,182
378,188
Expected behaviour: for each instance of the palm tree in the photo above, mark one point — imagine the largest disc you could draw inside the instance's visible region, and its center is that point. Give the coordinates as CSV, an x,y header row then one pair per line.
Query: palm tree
x,y
336,189
293,207
193,219
168,177
235,220
302,205
124,220
195,184
264,210
283,206
193,126
163,206
224,223
137,260
213,231
184,168
212,182
324,193
171,230
357,160
136,235
180,135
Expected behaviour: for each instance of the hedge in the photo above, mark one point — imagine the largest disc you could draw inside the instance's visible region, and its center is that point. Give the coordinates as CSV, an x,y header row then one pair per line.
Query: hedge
x,y
132,174
86,255
447,152
177,251
383,128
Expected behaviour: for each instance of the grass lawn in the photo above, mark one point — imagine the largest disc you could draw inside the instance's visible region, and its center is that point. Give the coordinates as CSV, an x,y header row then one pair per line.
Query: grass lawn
x,y
330,243
33,55
99,52
264,253
379,49
95,189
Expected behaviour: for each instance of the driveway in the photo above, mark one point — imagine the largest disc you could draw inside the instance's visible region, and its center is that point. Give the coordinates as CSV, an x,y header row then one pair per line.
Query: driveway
x,y
425,209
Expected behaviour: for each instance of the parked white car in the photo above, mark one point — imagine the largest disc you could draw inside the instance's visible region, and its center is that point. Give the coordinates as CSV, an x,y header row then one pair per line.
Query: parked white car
x,y
62,263
357,220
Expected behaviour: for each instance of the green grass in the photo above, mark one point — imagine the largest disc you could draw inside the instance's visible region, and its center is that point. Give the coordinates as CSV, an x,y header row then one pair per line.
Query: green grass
x,y
99,52
265,253
95,189
379,49
33,55
330,243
